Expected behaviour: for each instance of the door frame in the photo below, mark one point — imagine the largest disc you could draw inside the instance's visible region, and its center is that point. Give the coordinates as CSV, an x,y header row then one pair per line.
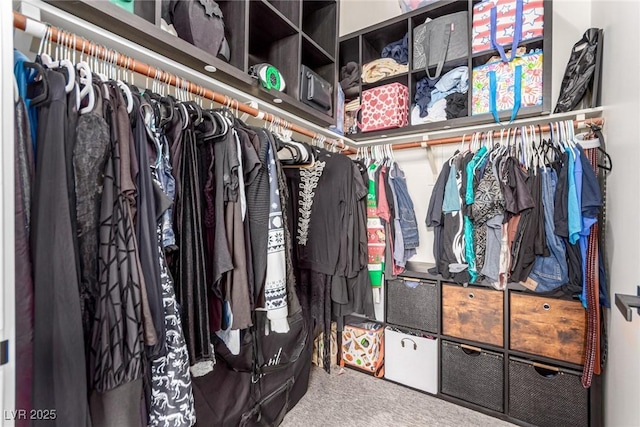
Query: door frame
x,y
7,213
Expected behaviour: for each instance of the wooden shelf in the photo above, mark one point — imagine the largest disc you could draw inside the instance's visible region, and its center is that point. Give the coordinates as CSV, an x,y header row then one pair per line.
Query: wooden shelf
x,y
447,124
396,78
268,23
257,31
147,34
375,40
318,50
319,23
289,9
366,45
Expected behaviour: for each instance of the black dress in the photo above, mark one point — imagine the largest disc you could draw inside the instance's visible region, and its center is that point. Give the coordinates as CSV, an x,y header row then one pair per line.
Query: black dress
x,y
59,364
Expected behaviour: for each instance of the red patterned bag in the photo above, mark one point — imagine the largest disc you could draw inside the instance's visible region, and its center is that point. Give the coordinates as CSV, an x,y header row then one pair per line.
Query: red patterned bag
x,y
385,107
505,23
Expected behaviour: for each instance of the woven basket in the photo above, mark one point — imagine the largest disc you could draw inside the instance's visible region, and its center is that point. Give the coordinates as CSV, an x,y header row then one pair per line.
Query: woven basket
x,y
413,307
477,377
546,398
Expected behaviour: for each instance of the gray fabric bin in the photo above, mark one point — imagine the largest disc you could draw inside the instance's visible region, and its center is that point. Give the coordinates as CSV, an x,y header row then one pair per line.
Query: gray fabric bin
x,y
473,374
546,397
413,303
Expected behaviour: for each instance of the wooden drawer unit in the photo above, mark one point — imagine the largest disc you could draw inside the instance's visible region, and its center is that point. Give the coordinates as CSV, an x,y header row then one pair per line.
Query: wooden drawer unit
x,y
473,313
547,327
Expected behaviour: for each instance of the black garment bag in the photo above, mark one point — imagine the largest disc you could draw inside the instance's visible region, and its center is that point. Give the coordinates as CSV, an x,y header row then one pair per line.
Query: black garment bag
x,y
582,72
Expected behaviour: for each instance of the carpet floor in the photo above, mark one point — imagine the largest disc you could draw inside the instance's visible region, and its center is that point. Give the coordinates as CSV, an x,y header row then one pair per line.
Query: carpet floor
x,y
355,399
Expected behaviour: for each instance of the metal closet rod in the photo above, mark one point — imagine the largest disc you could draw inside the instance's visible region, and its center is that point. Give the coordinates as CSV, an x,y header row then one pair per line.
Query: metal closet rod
x,y
463,138
81,44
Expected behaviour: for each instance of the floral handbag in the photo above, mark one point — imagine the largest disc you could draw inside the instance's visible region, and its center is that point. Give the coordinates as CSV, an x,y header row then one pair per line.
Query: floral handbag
x,y
500,86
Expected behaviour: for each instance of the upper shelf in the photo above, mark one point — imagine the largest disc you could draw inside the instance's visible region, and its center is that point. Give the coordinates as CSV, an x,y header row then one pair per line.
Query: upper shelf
x,y
257,31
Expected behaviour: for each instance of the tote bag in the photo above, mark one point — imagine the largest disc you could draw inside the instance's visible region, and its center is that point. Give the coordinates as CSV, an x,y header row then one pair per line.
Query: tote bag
x,y
512,20
501,86
441,40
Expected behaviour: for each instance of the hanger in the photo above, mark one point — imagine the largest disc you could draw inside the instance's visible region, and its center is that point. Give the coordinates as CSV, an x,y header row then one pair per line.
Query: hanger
x,y
123,87
62,63
597,132
85,82
45,84
245,116
16,91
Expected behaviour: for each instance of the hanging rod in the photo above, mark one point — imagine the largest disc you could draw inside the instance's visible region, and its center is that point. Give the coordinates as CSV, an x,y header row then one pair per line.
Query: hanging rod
x,y
80,44
464,138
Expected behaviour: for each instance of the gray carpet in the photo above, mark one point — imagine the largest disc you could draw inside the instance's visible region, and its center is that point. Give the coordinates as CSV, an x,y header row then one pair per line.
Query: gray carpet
x,y
356,399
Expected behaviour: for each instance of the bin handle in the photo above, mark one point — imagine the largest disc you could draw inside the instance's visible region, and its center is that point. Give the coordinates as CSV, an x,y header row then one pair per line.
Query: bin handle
x,y
415,346
470,347
547,367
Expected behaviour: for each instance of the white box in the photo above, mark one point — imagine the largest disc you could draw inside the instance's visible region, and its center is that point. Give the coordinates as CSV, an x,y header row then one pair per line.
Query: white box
x,y
411,360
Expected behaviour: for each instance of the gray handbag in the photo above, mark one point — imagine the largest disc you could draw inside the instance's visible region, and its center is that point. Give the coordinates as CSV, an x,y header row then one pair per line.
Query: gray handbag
x,y
441,40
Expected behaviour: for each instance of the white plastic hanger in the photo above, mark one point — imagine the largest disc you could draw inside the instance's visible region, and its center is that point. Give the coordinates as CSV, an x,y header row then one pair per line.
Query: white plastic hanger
x,y
461,148
128,96
85,83
48,62
16,92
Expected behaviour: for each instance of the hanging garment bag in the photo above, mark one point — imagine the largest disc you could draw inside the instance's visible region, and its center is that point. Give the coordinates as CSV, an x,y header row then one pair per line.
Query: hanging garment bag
x,y
268,376
580,72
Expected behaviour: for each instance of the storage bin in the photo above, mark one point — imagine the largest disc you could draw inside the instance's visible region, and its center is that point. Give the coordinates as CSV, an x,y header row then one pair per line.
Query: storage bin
x,y
547,327
363,347
546,395
473,313
473,374
411,360
413,303
385,107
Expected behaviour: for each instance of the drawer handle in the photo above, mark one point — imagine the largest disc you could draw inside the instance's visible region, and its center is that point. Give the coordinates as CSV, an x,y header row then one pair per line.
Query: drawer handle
x,y
471,350
415,346
546,306
471,295
546,371
547,367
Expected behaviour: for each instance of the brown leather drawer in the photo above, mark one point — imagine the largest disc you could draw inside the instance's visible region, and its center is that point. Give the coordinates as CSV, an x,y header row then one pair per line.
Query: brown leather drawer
x,y
548,327
473,313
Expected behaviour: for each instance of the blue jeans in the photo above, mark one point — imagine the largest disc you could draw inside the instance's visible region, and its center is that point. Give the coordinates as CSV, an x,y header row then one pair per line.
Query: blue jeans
x,y
550,272
405,212
168,182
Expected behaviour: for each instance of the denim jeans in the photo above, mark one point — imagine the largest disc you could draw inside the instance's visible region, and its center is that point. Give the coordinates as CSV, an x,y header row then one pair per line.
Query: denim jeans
x,y
550,272
405,212
168,182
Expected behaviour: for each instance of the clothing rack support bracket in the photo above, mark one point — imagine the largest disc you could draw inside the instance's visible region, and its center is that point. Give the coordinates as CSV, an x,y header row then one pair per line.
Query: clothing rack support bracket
x,y
430,156
626,303
580,118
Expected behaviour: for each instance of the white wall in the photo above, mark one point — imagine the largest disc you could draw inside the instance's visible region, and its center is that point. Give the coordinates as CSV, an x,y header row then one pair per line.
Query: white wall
x,y
621,97
358,14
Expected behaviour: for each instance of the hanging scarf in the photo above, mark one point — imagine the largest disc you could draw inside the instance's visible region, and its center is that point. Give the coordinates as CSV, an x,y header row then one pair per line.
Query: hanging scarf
x,y
275,291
